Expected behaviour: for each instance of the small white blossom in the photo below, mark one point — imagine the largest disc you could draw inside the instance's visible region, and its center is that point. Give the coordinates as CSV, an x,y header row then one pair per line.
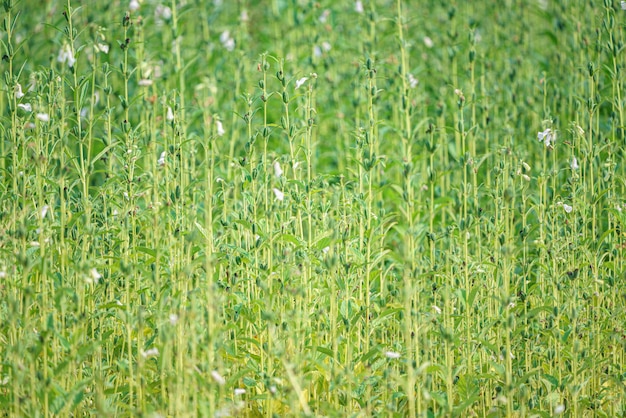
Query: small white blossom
x,y
26,107
144,82
324,16
623,5
18,91
392,354
173,319
44,117
161,160
300,82
170,114
437,309
3,274
244,16
279,195
104,48
66,56
227,41
574,164
44,211
547,137
428,42
358,6
239,391
567,208
277,170
325,250
219,379
413,82
162,13
94,275
326,46
317,51
559,409
151,352
220,128
134,5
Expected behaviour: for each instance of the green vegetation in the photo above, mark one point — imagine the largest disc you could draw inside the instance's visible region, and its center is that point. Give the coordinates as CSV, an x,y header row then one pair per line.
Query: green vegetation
x,y
312,208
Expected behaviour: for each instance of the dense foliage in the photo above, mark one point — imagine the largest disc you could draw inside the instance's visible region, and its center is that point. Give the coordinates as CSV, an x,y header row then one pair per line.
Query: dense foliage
x,y
324,208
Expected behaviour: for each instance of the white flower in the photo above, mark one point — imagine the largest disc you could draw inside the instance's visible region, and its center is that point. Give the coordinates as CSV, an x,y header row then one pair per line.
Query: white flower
x,y
413,82
227,41
219,379
428,42
18,91
26,107
134,5
574,164
324,16
3,274
94,275
44,117
623,5
104,48
170,114
392,354
547,137
145,82
239,391
326,46
44,211
317,51
437,309
173,319
279,195
220,128
567,208
66,56
161,160
300,82
277,170
325,250
559,409
151,352
244,16
162,12
358,6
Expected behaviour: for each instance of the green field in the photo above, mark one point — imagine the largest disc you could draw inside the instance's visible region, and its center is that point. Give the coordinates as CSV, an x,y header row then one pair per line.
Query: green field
x,y
287,208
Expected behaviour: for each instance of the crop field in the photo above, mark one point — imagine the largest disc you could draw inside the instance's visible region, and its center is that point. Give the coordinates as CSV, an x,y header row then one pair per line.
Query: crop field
x,y
292,208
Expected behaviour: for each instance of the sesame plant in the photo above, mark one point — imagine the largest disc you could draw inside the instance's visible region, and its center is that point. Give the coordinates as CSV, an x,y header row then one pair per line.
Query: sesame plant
x,y
312,208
